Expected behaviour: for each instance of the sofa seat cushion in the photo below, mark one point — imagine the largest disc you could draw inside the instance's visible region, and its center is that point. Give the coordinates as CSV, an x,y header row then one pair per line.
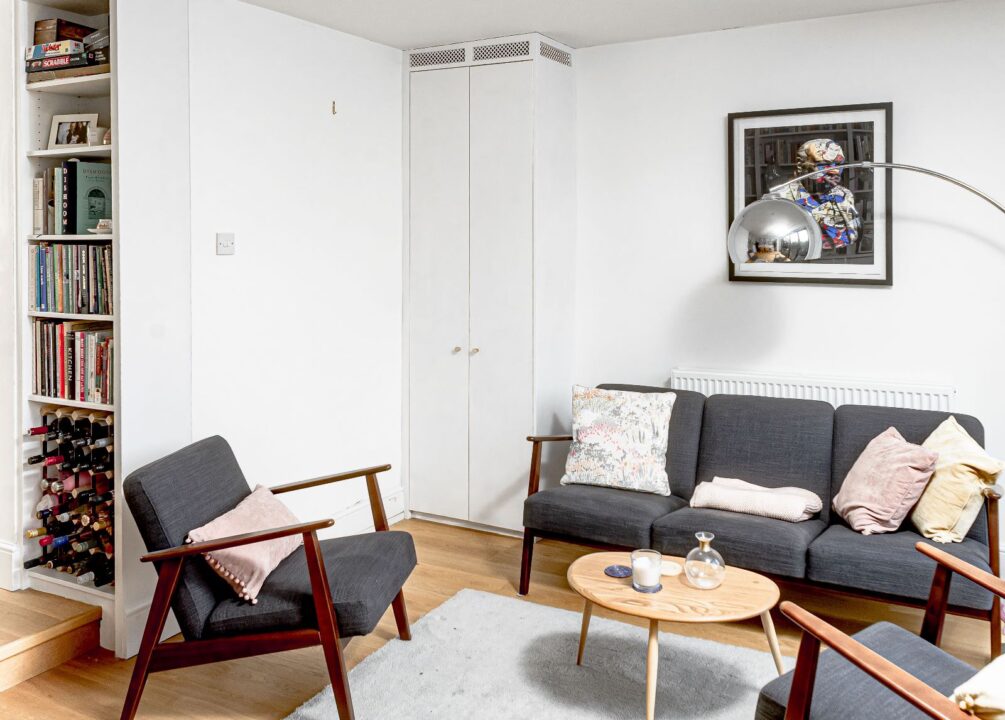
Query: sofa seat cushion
x,y
889,564
365,572
748,541
842,691
602,515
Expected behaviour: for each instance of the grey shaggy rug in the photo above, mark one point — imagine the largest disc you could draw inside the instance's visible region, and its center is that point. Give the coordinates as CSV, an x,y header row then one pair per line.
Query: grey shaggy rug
x,y
484,656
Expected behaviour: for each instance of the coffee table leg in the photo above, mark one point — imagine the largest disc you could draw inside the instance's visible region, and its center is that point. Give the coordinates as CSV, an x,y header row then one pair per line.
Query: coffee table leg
x,y
769,631
652,665
587,613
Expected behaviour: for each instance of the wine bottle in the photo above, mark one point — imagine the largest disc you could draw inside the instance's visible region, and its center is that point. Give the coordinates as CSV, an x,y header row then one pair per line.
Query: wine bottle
x,y
47,502
45,461
100,443
34,562
85,545
33,533
50,431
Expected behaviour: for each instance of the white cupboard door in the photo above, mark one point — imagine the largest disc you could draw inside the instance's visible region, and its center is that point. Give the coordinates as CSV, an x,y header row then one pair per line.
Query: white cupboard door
x,y
438,363
501,405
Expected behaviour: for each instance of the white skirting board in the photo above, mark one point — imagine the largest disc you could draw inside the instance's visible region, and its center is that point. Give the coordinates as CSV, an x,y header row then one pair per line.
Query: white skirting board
x,y
464,524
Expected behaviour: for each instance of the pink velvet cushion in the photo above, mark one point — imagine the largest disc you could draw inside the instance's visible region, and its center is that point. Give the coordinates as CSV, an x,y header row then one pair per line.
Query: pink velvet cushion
x,y
246,567
884,483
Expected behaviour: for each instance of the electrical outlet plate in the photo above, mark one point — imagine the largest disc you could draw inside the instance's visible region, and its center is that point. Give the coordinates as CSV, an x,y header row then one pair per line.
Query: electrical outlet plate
x,y
226,244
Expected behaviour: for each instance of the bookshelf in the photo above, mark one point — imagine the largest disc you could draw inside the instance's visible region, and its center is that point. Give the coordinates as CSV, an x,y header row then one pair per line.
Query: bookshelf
x,y
36,104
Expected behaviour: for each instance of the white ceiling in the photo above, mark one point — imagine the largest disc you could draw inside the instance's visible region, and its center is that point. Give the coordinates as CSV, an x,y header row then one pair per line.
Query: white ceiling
x,y
409,24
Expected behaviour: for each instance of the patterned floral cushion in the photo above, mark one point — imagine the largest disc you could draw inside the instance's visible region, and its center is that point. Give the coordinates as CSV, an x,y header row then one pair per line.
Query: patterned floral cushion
x,y
619,440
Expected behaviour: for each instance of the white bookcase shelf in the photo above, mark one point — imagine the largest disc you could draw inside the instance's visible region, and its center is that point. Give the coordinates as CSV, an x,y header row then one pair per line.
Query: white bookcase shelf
x,y
69,152
86,86
79,7
105,407
89,238
92,317
64,581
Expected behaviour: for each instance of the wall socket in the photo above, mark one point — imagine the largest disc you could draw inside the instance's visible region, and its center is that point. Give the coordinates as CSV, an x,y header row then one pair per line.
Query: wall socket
x,y
226,244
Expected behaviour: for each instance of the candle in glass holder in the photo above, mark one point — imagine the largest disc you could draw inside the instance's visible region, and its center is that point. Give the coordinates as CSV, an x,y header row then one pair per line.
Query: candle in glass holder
x,y
646,570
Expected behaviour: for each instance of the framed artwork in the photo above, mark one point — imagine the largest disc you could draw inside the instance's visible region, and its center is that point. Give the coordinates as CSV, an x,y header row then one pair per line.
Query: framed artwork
x,y
68,130
852,206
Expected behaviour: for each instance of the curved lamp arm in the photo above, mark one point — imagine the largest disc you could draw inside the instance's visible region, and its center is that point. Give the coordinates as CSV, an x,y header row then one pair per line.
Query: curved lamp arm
x,y
895,166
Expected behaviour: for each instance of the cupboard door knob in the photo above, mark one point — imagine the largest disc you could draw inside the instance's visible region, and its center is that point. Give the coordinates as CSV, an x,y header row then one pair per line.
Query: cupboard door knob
x,y
475,351
457,349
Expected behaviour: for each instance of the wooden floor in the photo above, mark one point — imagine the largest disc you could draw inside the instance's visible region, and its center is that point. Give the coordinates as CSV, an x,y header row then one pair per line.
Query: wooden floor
x,y
450,559
40,631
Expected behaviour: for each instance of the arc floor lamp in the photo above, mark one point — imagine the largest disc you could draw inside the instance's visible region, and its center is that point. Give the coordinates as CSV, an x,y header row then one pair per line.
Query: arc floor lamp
x,y
782,224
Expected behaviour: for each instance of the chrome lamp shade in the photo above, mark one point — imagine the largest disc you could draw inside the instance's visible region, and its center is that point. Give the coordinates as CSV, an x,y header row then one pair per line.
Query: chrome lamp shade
x,y
774,227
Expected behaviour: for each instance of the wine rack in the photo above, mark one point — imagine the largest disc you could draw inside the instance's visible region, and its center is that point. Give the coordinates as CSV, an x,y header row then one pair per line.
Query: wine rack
x,y
73,532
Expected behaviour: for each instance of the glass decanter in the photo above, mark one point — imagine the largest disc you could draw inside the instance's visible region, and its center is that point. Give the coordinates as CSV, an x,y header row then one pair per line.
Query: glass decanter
x,y
704,567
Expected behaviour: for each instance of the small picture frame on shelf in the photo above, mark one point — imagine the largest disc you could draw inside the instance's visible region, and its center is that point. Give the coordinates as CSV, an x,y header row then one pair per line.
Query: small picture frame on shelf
x,y
71,130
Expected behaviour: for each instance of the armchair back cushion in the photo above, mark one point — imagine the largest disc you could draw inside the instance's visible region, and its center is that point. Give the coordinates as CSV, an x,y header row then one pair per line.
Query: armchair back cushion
x,y
772,442
685,433
856,425
185,490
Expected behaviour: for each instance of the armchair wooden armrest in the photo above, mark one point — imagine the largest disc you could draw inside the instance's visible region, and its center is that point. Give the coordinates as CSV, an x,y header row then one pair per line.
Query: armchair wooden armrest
x,y
534,481
816,631
181,551
372,489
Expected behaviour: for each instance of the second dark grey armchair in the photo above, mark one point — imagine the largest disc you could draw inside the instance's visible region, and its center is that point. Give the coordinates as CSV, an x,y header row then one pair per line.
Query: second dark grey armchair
x,y
327,593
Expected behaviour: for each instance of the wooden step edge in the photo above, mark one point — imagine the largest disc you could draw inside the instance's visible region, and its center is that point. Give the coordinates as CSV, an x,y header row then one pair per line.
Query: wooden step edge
x,y
16,647
50,654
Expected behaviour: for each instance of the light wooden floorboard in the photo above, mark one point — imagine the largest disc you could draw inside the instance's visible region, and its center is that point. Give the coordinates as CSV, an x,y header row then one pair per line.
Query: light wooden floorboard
x,y
450,559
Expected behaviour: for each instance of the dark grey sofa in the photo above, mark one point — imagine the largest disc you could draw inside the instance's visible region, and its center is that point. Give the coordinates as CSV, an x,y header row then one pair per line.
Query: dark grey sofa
x,y
775,442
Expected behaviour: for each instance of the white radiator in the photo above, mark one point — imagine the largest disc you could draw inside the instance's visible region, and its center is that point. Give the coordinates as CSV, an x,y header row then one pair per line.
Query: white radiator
x,y
836,391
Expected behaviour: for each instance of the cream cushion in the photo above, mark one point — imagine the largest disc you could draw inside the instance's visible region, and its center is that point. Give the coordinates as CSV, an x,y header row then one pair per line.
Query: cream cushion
x,y
953,499
884,483
983,695
246,567
619,439
791,504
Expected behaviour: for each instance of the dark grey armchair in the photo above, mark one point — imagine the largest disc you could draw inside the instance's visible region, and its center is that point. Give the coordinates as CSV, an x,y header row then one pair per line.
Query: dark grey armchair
x,y
332,591
883,671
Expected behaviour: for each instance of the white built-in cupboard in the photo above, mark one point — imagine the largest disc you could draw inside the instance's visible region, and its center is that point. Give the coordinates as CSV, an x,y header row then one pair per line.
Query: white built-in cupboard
x,y
491,257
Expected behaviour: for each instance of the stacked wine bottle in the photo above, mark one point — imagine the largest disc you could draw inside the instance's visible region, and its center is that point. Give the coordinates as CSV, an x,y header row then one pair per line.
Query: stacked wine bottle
x,y
75,512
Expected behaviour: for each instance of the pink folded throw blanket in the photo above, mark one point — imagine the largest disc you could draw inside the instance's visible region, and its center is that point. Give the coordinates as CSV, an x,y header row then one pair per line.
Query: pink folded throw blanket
x,y
791,504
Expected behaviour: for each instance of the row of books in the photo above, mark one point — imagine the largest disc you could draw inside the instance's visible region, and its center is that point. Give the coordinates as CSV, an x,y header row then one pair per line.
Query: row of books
x,y
72,278
66,49
71,198
73,360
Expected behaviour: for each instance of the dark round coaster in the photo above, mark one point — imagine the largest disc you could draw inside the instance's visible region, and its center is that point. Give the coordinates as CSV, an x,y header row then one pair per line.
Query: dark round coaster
x,y
646,590
618,571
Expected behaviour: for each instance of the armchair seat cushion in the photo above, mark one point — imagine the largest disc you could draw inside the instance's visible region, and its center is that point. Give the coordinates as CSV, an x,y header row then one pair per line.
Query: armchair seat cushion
x,y
602,515
365,572
889,564
747,541
842,691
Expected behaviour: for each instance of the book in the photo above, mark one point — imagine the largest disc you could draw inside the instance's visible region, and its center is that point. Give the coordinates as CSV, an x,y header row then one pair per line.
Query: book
x,y
38,203
68,210
91,195
53,49
57,200
46,75
57,29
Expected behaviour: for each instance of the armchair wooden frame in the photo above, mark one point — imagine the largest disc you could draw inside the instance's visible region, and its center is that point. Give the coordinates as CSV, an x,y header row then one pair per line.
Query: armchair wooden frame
x,y
924,697
992,495
156,656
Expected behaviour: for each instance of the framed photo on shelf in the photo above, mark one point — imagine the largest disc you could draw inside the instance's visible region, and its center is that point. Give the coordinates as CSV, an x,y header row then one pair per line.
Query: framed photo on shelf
x,y
852,206
70,130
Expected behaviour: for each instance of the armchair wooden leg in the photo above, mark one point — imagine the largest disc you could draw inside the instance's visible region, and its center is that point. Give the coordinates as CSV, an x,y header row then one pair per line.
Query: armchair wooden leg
x,y
528,556
328,627
803,679
938,603
160,605
996,627
401,616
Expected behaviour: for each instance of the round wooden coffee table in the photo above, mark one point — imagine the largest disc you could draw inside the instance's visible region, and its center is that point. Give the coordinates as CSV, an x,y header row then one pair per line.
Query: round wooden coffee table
x,y
742,595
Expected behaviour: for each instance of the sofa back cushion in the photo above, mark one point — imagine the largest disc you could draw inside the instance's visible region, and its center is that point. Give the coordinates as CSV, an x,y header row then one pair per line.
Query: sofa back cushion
x,y
685,432
773,442
856,425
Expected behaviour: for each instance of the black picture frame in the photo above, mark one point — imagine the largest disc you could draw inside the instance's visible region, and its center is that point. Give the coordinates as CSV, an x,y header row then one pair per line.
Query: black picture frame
x,y
878,272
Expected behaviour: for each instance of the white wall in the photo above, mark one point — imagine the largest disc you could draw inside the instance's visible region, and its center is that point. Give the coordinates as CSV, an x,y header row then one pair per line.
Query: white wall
x,y
652,291
296,339
152,220
8,308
